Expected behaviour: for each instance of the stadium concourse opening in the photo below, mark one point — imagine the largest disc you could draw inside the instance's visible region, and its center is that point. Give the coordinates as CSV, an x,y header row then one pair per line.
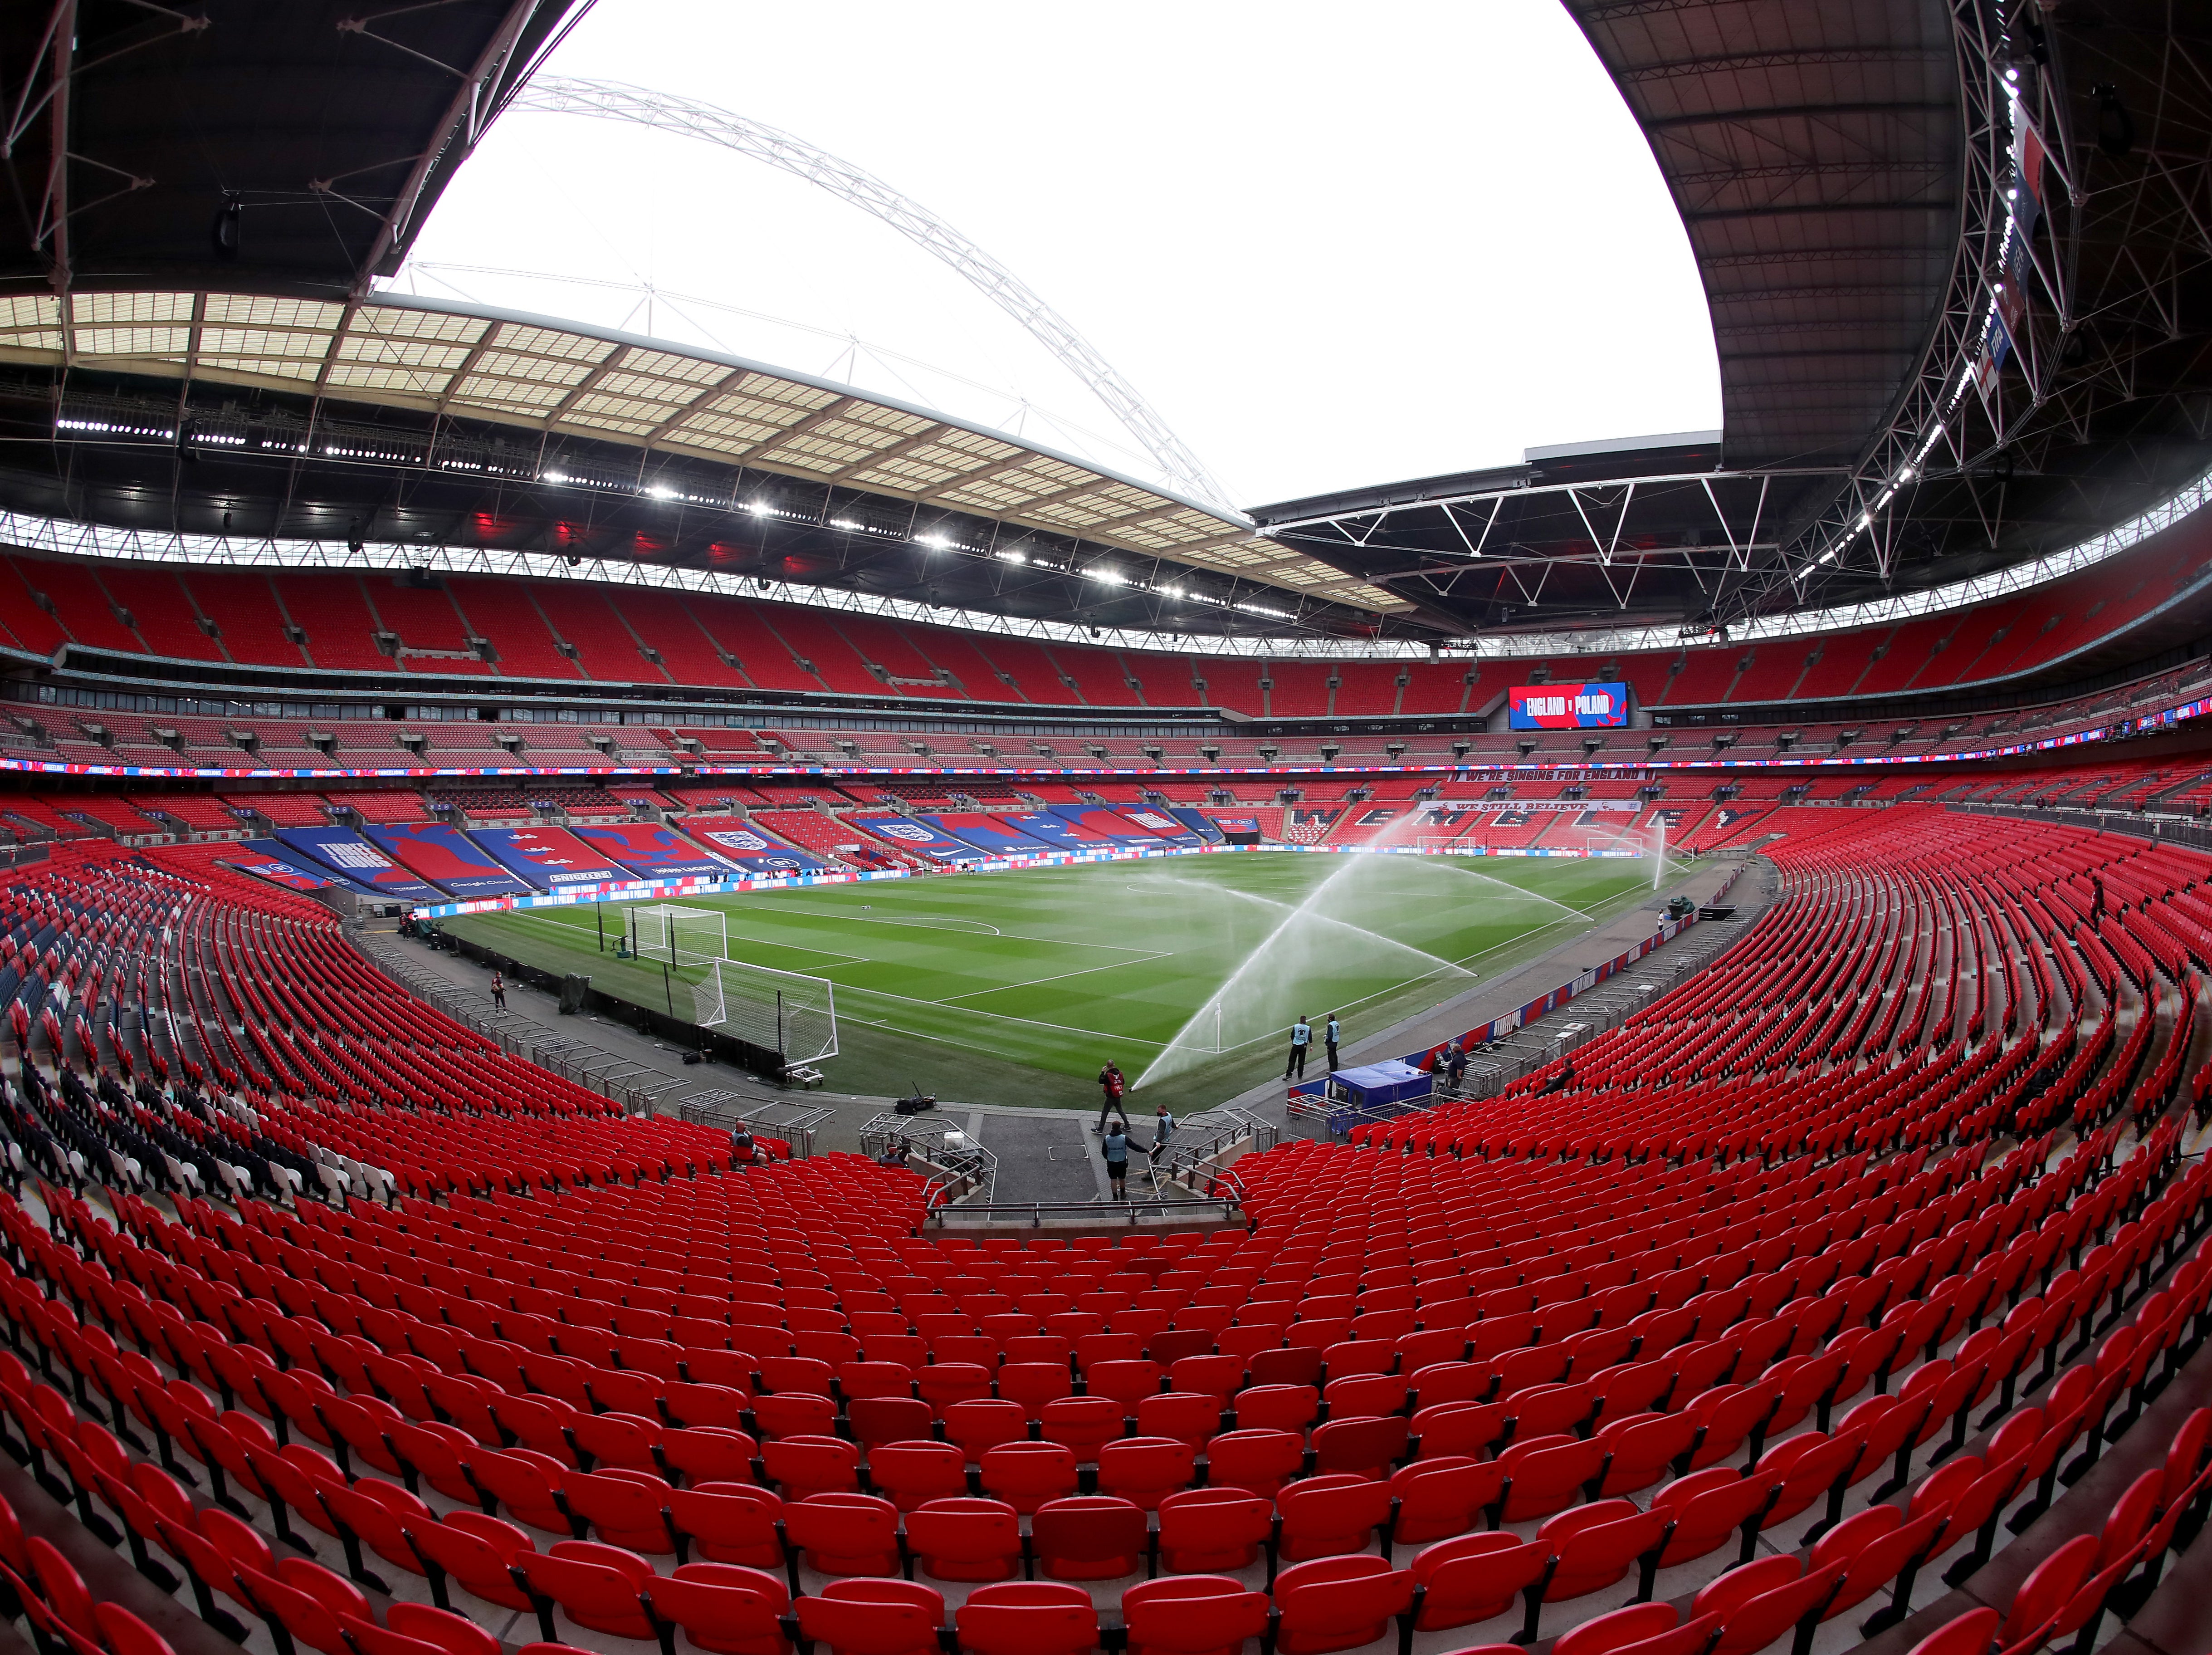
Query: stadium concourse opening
x,y
1806,821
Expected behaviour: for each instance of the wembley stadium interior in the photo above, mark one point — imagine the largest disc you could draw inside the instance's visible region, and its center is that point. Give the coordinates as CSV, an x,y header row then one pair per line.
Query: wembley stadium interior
x,y
1826,1271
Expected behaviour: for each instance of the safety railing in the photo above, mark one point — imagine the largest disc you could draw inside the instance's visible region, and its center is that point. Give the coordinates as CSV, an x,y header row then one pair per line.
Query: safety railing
x,y
1226,1208
1201,1142
795,1124
959,1167
2194,834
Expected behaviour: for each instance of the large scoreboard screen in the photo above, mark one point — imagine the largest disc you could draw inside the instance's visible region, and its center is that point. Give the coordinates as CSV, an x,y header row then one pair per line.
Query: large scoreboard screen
x,y
1569,706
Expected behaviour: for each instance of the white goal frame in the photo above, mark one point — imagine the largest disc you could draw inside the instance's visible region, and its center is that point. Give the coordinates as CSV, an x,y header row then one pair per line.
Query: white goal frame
x,y
676,935
784,1012
1441,844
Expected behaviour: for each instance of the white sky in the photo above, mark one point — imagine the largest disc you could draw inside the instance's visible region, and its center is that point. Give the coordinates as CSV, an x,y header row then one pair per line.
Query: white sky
x,y
1330,246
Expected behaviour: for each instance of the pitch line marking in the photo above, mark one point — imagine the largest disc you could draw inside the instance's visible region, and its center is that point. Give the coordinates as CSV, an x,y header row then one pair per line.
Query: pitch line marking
x,y
1055,977
947,1038
568,925
1165,1045
1008,936
923,922
1007,1016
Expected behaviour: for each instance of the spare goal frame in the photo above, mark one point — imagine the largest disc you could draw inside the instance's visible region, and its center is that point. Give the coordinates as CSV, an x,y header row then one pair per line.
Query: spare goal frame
x,y
787,1012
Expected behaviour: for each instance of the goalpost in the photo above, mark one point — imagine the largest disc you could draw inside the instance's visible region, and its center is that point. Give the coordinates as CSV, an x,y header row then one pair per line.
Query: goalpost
x,y
782,1012
679,936
1442,844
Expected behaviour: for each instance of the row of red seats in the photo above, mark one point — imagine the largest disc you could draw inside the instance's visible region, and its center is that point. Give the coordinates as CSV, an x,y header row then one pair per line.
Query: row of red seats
x,y
709,639
1839,997
1079,1539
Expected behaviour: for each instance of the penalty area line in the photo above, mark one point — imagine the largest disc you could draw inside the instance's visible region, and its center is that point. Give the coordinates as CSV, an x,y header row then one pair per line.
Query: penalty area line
x,y
945,923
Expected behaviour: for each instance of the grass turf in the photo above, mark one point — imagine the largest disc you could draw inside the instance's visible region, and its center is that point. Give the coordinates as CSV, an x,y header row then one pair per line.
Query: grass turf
x,y
1013,988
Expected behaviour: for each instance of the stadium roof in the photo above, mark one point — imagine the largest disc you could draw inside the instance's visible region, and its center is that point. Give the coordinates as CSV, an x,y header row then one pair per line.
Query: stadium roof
x,y
436,364
275,145
1850,178
235,175
1813,151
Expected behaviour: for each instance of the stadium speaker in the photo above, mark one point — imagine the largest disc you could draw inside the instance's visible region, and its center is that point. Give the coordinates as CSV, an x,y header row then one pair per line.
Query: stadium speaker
x,y
229,224
573,987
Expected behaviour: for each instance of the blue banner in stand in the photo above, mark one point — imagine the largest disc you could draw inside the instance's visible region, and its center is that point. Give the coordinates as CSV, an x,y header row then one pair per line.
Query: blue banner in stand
x,y
1106,823
348,854
1154,821
550,858
755,853
1195,823
267,860
440,853
1056,831
987,833
910,835
654,853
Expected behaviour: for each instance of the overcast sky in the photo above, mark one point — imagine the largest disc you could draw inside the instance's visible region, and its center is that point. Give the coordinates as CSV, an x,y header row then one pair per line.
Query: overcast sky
x,y
1330,246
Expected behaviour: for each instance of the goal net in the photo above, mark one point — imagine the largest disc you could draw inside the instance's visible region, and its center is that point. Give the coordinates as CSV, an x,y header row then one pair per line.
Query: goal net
x,y
680,936
781,1012
1441,844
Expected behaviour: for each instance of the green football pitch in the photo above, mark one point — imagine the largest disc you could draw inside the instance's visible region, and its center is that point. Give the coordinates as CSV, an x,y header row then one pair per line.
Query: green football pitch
x,y
1014,987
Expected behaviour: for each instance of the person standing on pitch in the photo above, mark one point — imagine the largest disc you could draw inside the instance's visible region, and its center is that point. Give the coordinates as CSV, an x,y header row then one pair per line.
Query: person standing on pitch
x,y
1113,1085
1330,1033
1300,1043
1116,1151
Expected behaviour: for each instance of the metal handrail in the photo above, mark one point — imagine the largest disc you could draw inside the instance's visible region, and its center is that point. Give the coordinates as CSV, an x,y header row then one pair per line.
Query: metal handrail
x,y
1125,1212
1211,1133
795,1124
955,1172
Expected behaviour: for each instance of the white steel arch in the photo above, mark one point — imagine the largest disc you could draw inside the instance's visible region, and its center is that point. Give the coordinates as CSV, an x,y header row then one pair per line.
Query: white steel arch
x,y
558,95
